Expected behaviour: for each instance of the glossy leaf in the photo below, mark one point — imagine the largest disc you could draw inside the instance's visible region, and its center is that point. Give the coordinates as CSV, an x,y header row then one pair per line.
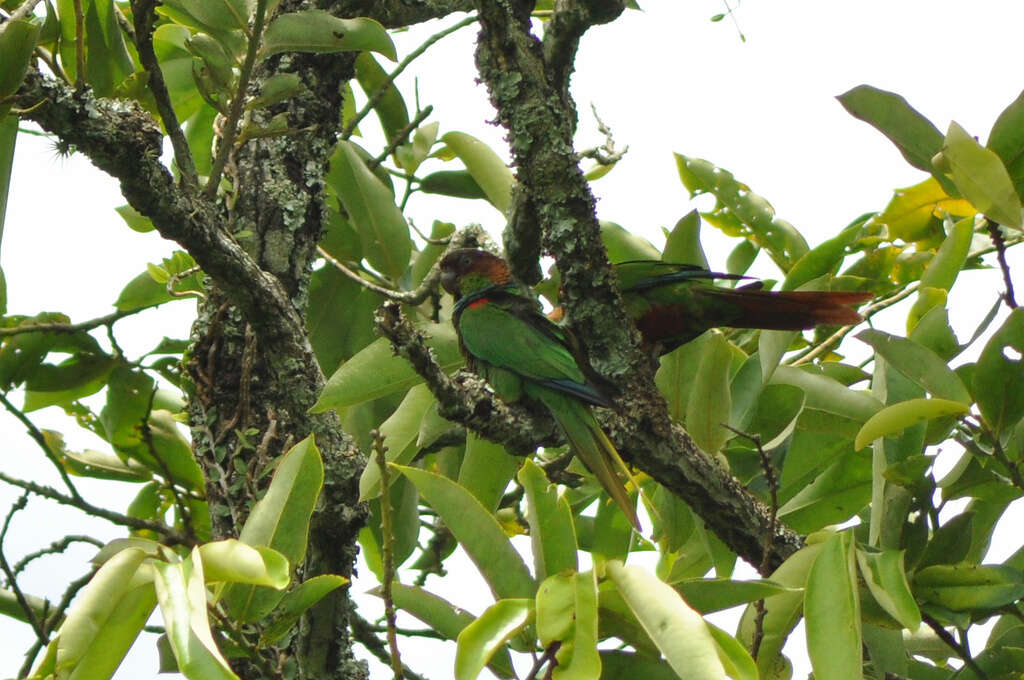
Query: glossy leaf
x,y
489,171
297,602
17,42
832,610
913,134
371,208
710,404
486,470
735,658
1007,140
969,588
455,183
1000,373
390,107
280,520
981,177
181,591
400,432
106,617
315,30
920,364
477,531
893,419
677,630
375,371
232,561
884,574
708,595
552,531
566,608
683,243
479,641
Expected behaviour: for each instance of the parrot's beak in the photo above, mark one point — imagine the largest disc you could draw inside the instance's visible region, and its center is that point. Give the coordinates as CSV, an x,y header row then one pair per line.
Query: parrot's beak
x,y
450,282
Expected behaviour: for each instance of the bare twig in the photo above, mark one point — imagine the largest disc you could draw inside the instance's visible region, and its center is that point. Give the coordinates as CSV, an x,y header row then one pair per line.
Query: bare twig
x,y
399,137
227,142
387,550
54,548
547,657
952,643
79,45
606,154
411,297
23,11
171,536
12,579
382,89
363,632
106,320
1000,245
142,14
40,439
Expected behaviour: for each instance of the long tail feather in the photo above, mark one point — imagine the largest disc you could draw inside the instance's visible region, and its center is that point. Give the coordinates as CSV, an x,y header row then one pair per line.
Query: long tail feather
x,y
592,446
790,310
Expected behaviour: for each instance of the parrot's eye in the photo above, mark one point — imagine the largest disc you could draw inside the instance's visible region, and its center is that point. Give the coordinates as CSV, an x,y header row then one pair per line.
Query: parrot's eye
x,y
465,262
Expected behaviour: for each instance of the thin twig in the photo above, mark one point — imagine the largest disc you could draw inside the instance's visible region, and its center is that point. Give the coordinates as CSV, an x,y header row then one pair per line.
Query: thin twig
x,y
382,89
106,320
773,488
546,657
387,550
143,16
12,579
227,142
147,439
411,297
606,154
20,13
952,643
1000,245
55,619
79,45
40,439
363,632
171,536
399,137
54,548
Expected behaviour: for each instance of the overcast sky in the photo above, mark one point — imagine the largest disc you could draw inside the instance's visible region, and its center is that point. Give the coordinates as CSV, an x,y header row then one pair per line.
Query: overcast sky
x,y
665,79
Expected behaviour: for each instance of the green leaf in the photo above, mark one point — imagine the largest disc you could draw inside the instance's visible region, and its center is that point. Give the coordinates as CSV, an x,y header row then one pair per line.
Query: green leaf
x,y
897,417
455,183
376,372
950,543
623,245
1007,140
969,588
832,610
181,591
822,260
17,42
98,464
912,211
280,520
486,470
783,611
710,404
913,134
477,531
734,657
225,15
683,243
616,664
708,595
1000,373
144,291
106,617
677,630
297,602
482,638
552,531
919,364
390,107
371,208
981,177
8,139
232,561
835,495
489,171
400,432
567,613
315,30
886,579
828,395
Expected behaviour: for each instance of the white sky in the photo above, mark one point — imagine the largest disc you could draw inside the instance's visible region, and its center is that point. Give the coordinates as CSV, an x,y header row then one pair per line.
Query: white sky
x,y
665,79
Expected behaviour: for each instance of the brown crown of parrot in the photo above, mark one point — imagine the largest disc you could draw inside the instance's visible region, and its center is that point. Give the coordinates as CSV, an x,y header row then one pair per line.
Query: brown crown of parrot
x,y
523,353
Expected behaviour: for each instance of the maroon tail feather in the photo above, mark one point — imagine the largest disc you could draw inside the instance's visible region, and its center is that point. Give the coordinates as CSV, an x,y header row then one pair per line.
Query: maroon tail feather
x,y
791,310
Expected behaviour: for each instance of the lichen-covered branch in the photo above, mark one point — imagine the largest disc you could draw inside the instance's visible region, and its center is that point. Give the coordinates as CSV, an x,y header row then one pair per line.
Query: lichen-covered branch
x,y
511,61
399,13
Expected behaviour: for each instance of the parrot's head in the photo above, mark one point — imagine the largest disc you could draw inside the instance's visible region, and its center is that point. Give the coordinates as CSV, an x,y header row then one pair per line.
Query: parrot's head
x,y
467,270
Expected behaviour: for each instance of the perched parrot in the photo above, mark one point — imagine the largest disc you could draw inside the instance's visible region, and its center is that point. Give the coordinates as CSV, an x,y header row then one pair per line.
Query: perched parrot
x,y
671,304
521,352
